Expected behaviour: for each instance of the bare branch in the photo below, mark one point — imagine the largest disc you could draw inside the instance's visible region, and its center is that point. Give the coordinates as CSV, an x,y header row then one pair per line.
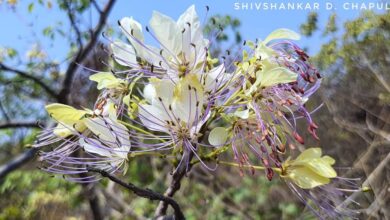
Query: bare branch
x,y
174,186
83,53
96,6
17,162
29,76
19,124
71,16
145,193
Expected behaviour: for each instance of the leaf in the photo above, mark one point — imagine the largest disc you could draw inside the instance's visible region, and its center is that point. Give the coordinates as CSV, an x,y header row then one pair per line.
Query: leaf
x,y
218,136
282,34
30,7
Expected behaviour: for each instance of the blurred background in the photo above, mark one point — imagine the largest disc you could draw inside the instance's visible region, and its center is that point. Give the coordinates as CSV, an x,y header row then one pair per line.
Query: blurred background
x,y
45,44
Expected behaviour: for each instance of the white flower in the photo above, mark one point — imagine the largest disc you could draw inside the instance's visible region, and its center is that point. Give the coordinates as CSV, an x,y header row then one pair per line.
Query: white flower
x,y
183,49
175,109
110,140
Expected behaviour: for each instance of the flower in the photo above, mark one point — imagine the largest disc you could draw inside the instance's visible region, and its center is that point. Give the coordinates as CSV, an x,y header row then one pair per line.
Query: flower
x,y
183,49
309,169
110,141
177,110
271,96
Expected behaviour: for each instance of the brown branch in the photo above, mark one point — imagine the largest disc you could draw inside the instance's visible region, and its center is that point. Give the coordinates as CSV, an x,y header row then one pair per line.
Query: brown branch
x,y
174,185
17,162
83,53
145,193
29,76
19,124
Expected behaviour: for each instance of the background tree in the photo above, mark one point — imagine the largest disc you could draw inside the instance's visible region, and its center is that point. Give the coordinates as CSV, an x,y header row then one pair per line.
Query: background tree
x,y
355,121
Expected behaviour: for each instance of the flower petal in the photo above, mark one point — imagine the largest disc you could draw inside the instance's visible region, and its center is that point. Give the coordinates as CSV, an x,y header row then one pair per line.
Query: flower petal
x,y
92,148
309,154
124,54
276,76
166,32
306,178
105,80
282,34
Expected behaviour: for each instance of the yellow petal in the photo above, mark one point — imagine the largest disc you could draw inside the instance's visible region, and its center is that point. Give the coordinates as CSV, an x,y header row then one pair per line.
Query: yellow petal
x,y
276,76
282,33
61,131
310,153
306,178
329,160
105,80
64,113
319,166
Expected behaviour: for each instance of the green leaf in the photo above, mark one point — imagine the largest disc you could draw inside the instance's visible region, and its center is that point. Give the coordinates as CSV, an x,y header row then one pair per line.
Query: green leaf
x,y
30,7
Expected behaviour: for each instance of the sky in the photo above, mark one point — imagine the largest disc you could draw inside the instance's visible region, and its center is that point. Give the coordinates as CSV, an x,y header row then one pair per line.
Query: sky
x,y
21,29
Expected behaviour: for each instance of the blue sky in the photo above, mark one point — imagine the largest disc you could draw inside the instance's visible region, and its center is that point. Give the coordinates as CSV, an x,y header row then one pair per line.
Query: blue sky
x,y
21,28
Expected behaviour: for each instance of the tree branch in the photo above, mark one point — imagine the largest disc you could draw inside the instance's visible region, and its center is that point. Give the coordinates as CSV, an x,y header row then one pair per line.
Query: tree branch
x,y
17,162
83,53
145,193
19,124
174,185
71,16
26,75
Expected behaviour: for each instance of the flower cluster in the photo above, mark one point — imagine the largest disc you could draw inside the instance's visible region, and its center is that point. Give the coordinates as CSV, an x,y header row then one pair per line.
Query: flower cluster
x,y
175,101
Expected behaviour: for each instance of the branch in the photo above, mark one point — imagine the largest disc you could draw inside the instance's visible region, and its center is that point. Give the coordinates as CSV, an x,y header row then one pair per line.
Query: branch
x,y
30,77
21,124
71,16
17,162
145,193
174,186
83,53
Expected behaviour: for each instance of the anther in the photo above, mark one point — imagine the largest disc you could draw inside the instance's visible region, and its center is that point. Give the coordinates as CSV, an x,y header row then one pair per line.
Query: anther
x,y
147,28
207,8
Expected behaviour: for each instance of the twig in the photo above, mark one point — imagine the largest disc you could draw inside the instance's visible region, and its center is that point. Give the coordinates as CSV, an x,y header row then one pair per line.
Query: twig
x,y
17,162
19,124
29,76
96,6
71,16
6,117
145,193
83,53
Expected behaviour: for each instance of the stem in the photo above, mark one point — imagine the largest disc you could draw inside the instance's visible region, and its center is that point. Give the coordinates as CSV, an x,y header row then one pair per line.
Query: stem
x,y
174,186
278,170
145,193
